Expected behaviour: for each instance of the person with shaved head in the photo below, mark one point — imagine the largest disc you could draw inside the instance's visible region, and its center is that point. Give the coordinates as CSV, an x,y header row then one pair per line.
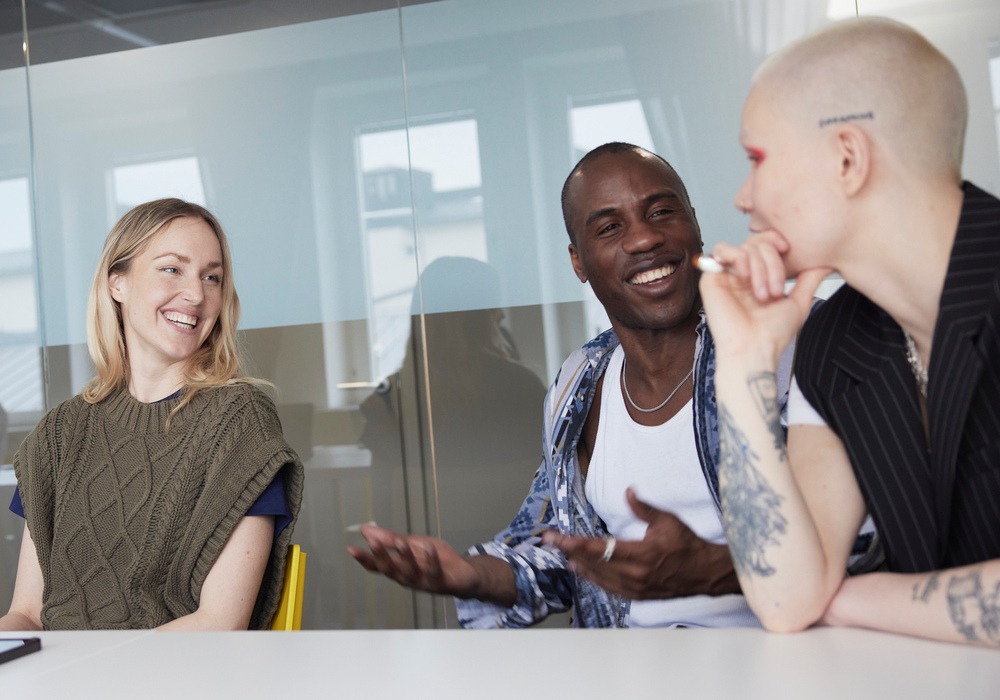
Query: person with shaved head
x,y
855,137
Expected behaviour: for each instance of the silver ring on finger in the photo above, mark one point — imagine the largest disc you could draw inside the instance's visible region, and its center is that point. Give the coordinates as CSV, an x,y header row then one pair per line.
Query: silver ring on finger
x,y
609,547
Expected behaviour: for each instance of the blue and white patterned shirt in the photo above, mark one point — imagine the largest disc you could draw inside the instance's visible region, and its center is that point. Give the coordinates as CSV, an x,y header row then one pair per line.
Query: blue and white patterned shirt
x,y
556,499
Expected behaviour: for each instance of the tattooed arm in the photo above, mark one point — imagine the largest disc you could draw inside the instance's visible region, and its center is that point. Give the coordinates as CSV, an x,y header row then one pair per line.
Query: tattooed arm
x,y
790,588
790,530
957,605
791,513
789,533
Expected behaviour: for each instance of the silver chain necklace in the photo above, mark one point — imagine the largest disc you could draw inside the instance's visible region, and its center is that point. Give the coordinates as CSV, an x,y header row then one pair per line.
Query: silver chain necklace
x,y
655,408
916,366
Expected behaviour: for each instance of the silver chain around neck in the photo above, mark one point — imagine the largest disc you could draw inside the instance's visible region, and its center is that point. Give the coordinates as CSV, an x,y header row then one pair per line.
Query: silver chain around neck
x,y
661,405
916,366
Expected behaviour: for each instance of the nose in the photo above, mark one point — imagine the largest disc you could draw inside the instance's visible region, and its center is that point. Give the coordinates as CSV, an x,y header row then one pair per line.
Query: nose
x,y
743,201
641,236
194,292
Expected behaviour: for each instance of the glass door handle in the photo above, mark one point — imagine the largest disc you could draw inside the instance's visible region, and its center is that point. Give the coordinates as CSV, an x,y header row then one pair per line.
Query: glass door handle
x,y
381,387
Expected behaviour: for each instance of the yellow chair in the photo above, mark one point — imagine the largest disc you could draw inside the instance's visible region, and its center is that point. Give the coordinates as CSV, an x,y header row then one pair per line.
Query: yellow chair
x,y
289,615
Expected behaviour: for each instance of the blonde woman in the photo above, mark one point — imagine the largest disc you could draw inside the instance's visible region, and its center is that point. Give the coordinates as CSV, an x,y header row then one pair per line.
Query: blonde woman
x,y
164,494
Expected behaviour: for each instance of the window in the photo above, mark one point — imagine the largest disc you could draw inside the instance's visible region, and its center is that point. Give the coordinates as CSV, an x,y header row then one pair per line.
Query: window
x,y
134,184
431,180
20,367
591,125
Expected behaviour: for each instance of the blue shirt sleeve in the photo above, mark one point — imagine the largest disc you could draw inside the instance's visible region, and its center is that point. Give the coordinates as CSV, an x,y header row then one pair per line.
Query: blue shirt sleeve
x,y
273,502
16,507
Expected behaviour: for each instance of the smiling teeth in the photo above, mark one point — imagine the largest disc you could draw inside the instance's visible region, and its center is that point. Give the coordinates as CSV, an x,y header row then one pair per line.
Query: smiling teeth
x,y
653,275
181,319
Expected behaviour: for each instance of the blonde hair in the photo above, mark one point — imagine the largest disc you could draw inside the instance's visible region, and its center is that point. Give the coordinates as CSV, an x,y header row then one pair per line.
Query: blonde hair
x,y
216,363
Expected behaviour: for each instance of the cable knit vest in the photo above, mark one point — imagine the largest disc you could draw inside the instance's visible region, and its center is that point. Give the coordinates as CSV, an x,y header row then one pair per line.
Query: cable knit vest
x,y
128,518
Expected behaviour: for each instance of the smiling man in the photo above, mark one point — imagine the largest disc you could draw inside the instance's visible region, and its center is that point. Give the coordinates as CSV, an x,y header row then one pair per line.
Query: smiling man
x,y
622,521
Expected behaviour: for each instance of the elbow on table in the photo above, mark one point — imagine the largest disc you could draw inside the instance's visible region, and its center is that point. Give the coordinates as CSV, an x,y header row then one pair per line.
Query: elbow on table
x,y
786,619
786,625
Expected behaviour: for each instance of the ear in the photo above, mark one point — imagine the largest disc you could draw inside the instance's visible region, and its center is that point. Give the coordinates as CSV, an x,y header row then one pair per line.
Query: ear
x,y
855,151
697,228
574,257
115,284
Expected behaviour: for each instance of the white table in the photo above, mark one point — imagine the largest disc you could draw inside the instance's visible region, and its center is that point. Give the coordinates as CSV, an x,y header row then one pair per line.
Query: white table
x,y
545,663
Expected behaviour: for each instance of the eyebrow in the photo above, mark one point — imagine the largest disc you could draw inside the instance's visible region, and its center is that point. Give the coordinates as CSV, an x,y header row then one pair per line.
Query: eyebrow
x,y
646,201
187,261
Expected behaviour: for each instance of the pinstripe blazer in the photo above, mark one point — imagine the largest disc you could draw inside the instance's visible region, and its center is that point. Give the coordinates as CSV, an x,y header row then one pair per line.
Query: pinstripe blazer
x,y
935,506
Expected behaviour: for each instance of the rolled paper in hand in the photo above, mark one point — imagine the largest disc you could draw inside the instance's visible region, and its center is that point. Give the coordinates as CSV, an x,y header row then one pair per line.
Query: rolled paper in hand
x,y
706,263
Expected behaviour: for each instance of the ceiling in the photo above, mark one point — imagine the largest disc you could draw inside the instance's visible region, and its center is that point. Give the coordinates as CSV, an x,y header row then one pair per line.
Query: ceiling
x,y
66,29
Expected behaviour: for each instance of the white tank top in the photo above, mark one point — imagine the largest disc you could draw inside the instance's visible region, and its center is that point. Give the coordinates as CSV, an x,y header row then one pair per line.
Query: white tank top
x,y
661,463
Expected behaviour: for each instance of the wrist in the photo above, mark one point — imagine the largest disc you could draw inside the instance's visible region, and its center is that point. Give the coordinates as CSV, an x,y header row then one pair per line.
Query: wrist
x,y
723,579
492,580
472,584
838,610
754,358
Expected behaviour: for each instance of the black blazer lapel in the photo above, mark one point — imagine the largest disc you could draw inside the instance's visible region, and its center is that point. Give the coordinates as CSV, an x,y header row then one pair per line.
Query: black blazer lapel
x,y
957,357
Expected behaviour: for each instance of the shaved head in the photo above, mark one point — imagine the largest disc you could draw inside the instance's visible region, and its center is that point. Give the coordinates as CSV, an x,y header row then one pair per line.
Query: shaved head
x,y
882,76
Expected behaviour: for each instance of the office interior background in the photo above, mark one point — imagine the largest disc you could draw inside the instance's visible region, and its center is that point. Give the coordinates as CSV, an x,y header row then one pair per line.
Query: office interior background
x,y
388,173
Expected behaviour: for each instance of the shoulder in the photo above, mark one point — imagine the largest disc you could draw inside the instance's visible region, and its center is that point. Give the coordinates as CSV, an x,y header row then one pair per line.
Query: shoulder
x,y
829,320
839,340
589,355
49,438
240,392
60,416
241,402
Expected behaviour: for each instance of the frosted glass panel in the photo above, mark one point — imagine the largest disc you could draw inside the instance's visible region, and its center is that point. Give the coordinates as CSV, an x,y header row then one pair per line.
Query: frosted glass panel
x,y
269,117
446,192
594,124
547,81
135,184
22,394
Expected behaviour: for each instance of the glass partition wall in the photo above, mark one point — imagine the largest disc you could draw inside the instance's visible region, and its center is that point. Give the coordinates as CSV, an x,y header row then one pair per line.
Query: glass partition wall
x,y
389,176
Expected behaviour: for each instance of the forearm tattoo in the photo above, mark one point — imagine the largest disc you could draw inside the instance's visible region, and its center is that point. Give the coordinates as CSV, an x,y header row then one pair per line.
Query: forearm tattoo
x,y
922,590
974,610
751,513
764,390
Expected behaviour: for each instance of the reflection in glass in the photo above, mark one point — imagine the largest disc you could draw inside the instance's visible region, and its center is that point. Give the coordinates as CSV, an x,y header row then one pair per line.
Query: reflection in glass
x,y
444,191
590,126
995,86
484,408
20,366
134,184
603,122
